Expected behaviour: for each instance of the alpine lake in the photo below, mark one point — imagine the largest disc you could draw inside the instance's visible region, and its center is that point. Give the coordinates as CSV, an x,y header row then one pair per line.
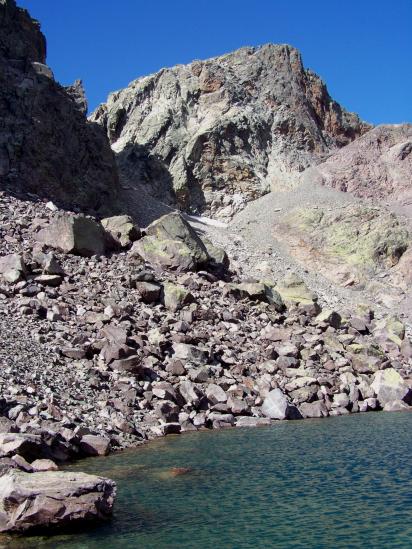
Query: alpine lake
x,y
335,483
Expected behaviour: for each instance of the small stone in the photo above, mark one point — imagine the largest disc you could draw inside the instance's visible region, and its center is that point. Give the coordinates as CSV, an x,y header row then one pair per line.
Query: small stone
x,y
49,280
39,465
276,406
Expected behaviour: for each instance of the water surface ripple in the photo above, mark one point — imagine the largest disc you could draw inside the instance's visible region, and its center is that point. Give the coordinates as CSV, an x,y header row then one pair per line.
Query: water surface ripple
x,y
333,483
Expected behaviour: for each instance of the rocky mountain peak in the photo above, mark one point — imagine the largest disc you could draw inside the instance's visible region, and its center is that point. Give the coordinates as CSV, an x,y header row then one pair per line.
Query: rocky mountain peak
x,y
211,135
47,146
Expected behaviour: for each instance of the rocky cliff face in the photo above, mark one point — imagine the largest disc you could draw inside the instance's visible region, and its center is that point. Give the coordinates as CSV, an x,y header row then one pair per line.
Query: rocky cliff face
x,y
214,134
378,165
47,146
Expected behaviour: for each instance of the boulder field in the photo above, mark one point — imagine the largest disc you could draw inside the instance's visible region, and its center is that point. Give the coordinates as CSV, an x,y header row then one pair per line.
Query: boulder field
x,y
110,342
122,318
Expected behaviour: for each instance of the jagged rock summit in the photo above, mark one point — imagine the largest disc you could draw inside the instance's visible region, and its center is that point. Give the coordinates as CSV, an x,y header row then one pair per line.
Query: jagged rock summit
x,y
214,134
47,146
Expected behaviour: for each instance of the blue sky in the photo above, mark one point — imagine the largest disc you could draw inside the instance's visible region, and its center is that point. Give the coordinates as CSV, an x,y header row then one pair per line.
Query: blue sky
x,y
362,49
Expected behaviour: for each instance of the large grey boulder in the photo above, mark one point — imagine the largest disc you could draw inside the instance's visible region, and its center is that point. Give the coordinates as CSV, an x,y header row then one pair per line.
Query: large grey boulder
x,y
74,234
53,499
171,243
277,406
389,386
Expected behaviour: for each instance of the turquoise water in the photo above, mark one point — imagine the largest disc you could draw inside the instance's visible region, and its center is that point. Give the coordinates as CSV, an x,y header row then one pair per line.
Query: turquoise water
x,y
340,482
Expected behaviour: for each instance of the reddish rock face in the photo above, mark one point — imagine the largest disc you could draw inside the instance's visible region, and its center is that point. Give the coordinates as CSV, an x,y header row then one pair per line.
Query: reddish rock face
x,y
377,165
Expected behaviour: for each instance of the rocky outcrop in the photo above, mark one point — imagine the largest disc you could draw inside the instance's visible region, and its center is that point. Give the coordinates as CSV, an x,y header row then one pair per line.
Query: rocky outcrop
x,y
213,134
47,146
377,165
34,501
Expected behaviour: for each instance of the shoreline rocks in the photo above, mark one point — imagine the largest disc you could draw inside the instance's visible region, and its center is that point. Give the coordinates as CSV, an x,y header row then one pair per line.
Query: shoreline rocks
x,y
53,499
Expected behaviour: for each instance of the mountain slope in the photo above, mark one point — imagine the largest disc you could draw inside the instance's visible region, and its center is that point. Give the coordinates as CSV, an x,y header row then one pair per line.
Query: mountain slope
x,y
213,134
378,165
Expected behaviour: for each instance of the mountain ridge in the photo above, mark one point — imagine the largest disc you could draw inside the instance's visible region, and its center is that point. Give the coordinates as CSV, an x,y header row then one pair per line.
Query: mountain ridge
x,y
237,124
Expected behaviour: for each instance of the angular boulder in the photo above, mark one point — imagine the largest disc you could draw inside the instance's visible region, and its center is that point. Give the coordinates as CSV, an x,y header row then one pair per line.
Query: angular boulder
x,y
121,229
12,268
24,444
391,329
48,263
171,243
31,501
277,406
215,394
78,235
149,292
294,290
218,256
314,409
190,353
389,386
396,406
189,392
332,318
175,296
94,445
257,291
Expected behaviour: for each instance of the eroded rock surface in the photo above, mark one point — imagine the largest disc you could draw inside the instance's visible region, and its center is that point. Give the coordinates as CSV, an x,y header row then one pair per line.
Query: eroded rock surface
x,y
214,134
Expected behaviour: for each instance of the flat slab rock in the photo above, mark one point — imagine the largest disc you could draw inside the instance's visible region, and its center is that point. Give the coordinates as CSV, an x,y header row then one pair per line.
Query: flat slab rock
x,y
53,499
